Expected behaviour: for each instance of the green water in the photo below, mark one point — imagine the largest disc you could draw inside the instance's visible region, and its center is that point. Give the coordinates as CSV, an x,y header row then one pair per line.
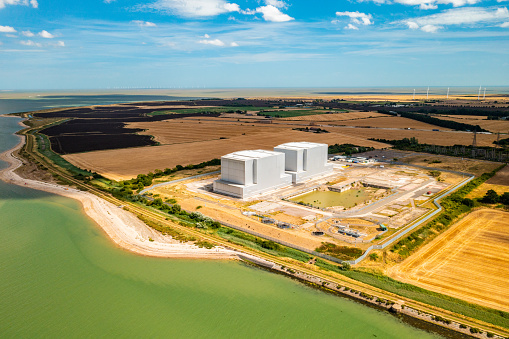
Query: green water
x,y
60,278
322,199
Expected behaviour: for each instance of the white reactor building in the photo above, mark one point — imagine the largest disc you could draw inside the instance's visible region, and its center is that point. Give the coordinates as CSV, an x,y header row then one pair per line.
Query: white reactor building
x,y
248,173
305,160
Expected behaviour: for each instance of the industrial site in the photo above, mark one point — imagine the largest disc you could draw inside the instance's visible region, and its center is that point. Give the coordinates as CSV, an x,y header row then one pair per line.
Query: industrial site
x,y
296,194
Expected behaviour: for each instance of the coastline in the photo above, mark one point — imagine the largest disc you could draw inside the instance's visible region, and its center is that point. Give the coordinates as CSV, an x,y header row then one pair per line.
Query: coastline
x,y
129,233
123,228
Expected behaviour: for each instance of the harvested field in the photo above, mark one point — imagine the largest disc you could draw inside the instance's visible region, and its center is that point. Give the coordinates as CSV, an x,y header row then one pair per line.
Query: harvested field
x,y
494,126
367,119
442,138
501,178
337,116
127,163
183,131
470,261
476,167
480,191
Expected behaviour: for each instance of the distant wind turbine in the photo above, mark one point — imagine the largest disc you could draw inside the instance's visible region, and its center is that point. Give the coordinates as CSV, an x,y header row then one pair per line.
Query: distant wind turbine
x,y
479,94
427,93
447,92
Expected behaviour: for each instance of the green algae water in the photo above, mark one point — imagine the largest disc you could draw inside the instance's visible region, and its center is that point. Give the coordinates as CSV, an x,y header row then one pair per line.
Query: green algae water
x,y
60,277
322,199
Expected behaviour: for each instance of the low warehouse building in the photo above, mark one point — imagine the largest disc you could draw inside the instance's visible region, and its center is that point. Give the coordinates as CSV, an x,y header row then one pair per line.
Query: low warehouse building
x,y
305,160
248,173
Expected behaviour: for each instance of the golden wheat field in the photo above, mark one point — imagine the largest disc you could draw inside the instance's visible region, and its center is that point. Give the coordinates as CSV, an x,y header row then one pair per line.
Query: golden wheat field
x,y
470,261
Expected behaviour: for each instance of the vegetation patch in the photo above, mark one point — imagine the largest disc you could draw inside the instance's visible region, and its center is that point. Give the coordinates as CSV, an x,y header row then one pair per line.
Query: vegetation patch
x,y
340,252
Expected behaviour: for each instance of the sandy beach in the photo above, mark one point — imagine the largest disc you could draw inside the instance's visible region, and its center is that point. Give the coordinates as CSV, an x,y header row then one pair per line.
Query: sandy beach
x,y
122,227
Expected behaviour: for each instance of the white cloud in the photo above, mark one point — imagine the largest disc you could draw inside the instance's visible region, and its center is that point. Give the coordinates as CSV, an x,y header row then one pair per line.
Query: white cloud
x,y
195,8
350,26
60,44
7,29
32,3
46,34
429,4
358,17
28,34
30,43
234,44
461,16
273,14
206,36
412,25
504,24
215,42
144,23
276,3
430,28
109,1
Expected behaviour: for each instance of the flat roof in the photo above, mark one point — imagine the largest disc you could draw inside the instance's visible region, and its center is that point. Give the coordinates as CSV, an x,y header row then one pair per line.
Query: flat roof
x,y
251,154
300,145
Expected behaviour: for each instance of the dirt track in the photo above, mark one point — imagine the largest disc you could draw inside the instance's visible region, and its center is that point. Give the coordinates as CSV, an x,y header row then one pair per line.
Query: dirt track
x,y
470,261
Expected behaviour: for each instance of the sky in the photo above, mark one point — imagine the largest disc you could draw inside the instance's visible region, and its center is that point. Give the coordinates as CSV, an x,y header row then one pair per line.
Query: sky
x,y
101,44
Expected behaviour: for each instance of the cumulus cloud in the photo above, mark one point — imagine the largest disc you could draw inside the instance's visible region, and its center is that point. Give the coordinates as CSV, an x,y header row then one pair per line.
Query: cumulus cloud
x,y
430,28
273,14
214,42
234,44
429,4
412,25
357,17
7,29
28,34
195,8
276,3
32,3
458,16
46,35
30,43
504,24
350,26
144,23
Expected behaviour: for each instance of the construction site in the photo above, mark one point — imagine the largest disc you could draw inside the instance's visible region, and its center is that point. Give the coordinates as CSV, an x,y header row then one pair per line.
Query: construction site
x,y
348,204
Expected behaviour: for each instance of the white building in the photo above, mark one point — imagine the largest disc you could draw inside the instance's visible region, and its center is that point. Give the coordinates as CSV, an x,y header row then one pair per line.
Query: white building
x,y
305,160
248,173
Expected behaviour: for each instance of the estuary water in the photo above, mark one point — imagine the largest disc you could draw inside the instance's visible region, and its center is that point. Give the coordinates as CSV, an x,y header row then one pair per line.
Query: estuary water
x,y
60,277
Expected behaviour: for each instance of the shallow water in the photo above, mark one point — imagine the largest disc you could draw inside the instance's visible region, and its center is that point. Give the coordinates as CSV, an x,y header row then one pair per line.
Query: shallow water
x,y
60,277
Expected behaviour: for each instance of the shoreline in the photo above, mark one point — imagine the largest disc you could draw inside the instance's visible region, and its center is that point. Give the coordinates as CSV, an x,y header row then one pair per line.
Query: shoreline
x,y
123,228
129,233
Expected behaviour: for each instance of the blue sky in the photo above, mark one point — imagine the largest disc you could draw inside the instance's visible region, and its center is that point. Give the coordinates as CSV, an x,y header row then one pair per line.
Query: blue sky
x,y
88,44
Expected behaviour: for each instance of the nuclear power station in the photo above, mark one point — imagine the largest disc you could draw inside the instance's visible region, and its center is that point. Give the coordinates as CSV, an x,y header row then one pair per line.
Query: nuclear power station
x,y
248,173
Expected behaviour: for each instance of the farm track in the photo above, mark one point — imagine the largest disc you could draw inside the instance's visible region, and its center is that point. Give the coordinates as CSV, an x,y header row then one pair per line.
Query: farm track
x,y
332,277
469,261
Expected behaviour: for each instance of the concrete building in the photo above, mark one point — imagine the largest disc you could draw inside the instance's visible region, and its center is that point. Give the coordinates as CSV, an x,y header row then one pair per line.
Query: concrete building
x,y
305,160
248,173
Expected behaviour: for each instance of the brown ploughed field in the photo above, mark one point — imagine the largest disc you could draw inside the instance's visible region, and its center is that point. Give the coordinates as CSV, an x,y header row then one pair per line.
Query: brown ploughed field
x,y
470,261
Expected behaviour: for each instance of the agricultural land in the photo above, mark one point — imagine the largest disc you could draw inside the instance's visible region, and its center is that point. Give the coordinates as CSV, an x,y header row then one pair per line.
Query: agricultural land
x,y
469,261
